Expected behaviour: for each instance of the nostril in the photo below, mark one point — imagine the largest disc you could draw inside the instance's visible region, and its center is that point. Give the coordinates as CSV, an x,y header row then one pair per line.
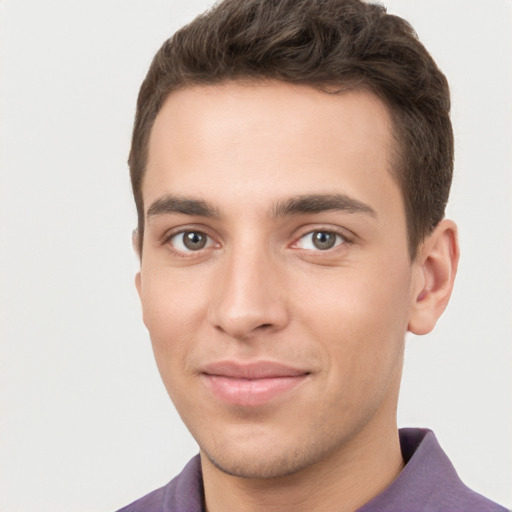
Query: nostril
x,y
262,327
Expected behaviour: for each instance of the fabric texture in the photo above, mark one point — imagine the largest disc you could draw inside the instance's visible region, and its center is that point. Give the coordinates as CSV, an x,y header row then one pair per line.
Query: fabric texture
x,y
428,483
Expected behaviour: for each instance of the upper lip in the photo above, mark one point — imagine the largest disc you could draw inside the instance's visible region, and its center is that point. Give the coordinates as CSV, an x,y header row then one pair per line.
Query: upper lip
x,y
253,370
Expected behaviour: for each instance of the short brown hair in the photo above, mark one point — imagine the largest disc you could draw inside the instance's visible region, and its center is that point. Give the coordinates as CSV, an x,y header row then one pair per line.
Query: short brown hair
x,y
326,44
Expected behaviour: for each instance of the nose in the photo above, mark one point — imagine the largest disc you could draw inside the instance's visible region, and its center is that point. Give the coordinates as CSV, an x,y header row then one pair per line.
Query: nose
x,y
250,295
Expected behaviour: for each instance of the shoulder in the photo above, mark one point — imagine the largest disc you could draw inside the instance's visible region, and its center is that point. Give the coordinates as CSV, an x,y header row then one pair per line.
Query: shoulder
x,y
428,482
183,493
446,491
151,502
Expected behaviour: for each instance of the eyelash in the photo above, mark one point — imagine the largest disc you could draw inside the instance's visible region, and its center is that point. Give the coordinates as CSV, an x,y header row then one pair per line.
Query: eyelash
x,y
341,239
167,241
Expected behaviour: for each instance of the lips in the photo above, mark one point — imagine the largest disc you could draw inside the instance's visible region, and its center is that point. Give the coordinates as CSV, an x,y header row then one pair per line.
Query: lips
x,y
251,384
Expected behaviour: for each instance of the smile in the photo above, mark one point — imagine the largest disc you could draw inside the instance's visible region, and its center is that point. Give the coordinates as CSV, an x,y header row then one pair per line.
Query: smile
x,y
253,384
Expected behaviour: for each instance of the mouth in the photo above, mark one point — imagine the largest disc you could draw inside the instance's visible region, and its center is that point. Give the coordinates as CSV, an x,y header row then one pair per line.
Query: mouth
x,y
251,384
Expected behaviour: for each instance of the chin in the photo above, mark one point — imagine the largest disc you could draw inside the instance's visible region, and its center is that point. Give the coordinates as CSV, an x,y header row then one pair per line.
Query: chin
x,y
264,462
258,467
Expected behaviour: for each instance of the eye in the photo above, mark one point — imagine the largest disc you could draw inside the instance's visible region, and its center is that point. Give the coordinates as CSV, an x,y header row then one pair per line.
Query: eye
x,y
187,241
320,241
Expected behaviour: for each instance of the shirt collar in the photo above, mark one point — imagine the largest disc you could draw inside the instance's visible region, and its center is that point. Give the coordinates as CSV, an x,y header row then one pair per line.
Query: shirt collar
x,y
427,483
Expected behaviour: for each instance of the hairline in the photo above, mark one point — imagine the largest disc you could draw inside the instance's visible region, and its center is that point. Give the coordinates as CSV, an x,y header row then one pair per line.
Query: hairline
x,y
396,158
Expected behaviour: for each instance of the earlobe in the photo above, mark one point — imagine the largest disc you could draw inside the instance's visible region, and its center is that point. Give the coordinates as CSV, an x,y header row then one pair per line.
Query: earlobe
x,y
435,269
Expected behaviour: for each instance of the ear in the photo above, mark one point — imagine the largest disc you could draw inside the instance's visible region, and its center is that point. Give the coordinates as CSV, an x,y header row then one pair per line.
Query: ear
x,y
138,283
434,275
136,248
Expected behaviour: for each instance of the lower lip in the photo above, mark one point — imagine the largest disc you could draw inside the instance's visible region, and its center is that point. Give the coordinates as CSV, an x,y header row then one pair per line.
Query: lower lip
x,y
251,392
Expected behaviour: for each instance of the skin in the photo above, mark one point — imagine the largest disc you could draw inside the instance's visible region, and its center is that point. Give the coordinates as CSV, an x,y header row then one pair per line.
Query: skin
x,y
225,163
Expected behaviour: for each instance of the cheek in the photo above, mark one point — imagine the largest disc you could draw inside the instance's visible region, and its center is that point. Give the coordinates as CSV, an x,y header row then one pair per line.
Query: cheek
x,y
173,311
356,303
360,320
170,301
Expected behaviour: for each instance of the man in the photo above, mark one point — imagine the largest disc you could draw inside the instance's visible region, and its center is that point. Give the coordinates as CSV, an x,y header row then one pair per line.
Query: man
x,y
291,162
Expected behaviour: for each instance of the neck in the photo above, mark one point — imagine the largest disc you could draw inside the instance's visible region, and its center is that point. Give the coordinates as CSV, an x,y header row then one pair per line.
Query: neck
x,y
345,481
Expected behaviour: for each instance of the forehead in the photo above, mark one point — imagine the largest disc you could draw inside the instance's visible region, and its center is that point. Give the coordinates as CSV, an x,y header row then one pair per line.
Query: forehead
x,y
272,140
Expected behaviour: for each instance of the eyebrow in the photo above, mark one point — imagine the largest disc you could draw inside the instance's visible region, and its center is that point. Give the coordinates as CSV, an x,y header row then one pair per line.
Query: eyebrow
x,y
181,205
297,205
318,203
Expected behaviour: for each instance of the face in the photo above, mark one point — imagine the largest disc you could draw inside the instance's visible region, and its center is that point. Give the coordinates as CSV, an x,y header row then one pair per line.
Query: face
x,y
275,279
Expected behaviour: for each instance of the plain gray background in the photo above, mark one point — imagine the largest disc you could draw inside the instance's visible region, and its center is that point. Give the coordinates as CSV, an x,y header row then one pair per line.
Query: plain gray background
x,y
86,424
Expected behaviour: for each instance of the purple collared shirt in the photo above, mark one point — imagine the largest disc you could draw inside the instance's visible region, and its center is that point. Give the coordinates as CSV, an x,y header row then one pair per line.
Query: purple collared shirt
x,y
428,483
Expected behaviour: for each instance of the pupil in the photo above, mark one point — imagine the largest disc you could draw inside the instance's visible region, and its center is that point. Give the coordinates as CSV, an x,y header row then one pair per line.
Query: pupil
x,y
194,240
323,240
